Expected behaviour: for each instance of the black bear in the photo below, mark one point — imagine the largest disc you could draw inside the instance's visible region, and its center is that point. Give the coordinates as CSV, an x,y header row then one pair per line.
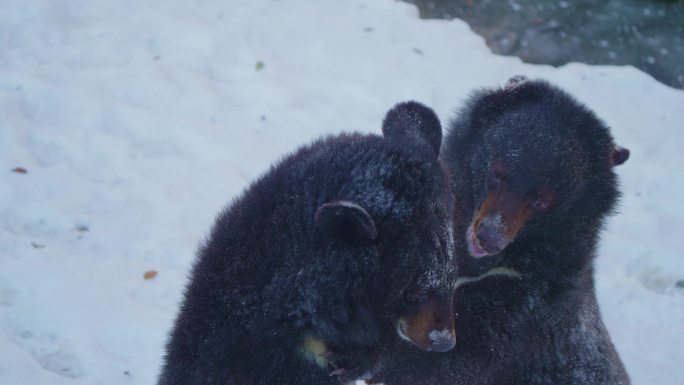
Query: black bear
x,y
340,246
536,178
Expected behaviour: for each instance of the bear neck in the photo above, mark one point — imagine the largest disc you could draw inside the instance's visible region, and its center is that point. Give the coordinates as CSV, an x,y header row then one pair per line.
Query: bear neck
x,y
562,255
558,258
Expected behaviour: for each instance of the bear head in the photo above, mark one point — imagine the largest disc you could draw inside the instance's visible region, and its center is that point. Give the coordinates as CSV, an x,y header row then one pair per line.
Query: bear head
x,y
540,165
392,223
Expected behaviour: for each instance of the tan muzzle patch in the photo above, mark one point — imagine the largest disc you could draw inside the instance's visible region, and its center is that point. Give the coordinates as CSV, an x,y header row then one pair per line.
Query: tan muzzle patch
x,y
497,222
431,327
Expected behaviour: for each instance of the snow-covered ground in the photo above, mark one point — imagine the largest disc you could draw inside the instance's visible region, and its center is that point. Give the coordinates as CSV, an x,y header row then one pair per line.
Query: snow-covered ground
x,y
138,120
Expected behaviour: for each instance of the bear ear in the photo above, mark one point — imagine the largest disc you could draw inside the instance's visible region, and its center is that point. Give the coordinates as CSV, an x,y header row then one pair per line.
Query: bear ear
x,y
345,220
618,155
413,119
515,81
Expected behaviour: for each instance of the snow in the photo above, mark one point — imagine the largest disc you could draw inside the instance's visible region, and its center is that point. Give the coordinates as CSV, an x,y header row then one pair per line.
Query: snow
x,y
137,121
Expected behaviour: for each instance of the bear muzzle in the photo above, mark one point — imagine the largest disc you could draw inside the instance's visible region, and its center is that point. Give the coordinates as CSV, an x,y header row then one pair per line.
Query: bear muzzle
x,y
431,327
497,223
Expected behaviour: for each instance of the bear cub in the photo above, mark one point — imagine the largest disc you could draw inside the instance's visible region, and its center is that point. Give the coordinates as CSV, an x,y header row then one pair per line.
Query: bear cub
x,y
535,182
342,245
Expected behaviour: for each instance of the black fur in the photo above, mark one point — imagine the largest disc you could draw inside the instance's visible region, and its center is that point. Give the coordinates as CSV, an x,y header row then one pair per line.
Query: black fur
x,y
410,118
544,327
324,245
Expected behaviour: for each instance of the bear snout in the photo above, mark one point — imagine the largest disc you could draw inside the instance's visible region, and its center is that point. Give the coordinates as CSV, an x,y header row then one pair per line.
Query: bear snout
x,y
431,327
441,340
497,222
491,238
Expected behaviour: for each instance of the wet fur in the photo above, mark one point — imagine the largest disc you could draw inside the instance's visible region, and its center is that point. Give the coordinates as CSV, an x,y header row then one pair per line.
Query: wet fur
x,y
269,291
545,327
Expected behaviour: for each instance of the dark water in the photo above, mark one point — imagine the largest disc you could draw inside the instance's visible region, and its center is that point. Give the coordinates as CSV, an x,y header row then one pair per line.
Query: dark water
x,y
647,34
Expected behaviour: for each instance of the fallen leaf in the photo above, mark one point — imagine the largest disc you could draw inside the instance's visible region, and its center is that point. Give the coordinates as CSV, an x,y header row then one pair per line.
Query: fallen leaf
x,y
150,274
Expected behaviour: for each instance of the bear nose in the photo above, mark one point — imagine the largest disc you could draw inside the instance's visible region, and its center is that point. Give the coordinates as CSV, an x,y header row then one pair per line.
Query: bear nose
x,y
490,239
441,340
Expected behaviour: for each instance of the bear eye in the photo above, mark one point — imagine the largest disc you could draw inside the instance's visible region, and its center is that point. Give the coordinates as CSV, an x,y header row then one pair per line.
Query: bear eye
x,y
495,178
496,175
543,200
493,181
540,205
415,297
